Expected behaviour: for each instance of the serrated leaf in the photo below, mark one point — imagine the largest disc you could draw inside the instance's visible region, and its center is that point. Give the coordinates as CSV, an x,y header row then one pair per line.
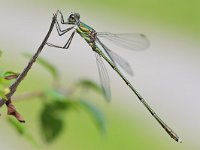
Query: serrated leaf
x,y
87,84
96,115
43,62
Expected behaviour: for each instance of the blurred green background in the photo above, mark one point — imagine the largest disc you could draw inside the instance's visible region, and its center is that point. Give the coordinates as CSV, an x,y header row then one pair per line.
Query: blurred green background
x,y
167,74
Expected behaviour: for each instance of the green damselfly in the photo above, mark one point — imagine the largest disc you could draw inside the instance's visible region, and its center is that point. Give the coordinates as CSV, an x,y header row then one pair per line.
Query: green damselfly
x,y
134,41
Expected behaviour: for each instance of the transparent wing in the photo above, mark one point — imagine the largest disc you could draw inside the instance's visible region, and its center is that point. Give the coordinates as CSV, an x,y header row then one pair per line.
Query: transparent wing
x,y
122,63
104,78
117,59
132,41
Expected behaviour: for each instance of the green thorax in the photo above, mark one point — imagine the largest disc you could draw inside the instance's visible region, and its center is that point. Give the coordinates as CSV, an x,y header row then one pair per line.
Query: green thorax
x,y
89,34
85,31
85,28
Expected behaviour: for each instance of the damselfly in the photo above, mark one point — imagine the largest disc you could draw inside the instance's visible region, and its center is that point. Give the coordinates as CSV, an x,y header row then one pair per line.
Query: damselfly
x,y
134,41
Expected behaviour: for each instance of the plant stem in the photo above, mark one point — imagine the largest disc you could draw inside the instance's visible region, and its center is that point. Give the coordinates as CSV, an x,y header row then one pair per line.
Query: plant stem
x,y
23,74
28,95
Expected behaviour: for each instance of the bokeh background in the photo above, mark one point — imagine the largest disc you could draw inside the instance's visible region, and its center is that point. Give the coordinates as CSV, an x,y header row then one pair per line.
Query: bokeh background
x,y
167,74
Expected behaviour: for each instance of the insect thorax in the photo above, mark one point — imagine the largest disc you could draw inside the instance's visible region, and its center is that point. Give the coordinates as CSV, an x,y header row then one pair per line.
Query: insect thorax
x,y
88,33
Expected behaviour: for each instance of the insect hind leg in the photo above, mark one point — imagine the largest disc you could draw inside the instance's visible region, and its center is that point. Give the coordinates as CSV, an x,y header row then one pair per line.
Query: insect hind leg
x,y
56,46
66,46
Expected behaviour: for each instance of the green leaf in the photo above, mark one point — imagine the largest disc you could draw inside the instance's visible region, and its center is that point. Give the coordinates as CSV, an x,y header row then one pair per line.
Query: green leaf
x,y
9,75
87,84
55,94
52,120
46,65
96,115
4,92
0,53
52,117
22,130
5,81
3,95
19,127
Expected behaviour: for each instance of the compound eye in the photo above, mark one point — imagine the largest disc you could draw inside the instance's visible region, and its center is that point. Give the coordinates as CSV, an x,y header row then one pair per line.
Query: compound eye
x,y
72,17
